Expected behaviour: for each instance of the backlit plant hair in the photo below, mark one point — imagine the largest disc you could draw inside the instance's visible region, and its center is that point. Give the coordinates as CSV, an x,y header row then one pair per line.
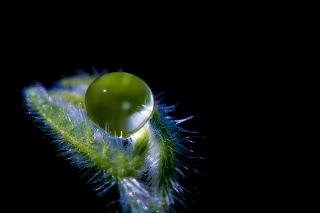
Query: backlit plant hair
x,y
113,126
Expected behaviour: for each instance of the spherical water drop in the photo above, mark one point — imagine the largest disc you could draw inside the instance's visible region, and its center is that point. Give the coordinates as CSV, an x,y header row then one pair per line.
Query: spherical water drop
x,y
119,102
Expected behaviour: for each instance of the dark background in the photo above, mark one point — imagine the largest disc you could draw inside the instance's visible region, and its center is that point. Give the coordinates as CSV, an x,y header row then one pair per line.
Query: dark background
x,y
198,60
225,64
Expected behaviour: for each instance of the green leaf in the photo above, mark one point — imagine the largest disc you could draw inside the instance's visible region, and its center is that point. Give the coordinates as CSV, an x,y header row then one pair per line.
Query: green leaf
x,y
143,167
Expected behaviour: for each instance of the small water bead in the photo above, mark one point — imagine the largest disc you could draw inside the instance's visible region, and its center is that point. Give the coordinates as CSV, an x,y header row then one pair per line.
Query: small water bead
x,y
119,102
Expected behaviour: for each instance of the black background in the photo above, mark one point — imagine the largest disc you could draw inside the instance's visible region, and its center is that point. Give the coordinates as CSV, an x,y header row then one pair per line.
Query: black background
x,y
198,63
225,64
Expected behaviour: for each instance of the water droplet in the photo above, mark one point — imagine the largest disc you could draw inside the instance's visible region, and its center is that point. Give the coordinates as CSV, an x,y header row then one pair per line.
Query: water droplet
x,y
119,102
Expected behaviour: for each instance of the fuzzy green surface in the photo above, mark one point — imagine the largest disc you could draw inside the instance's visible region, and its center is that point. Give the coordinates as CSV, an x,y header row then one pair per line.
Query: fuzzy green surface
x,y
152,148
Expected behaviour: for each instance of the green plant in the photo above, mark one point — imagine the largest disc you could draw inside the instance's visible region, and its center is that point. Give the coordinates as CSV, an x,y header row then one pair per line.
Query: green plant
x,y
112,125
